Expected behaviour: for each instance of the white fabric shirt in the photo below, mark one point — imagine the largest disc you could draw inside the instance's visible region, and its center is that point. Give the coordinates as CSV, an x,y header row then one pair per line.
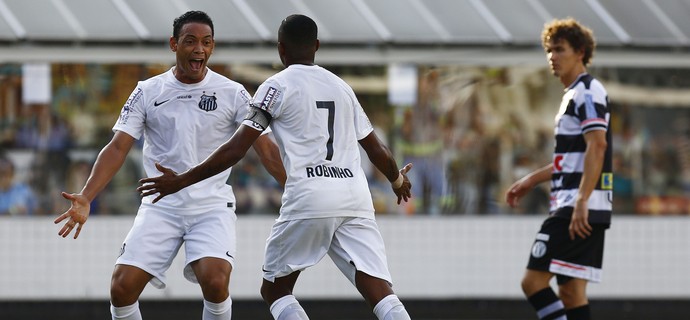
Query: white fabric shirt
x,y
317,122
182,124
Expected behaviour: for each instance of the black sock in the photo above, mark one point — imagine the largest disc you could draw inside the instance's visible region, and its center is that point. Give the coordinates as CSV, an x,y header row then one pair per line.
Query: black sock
x,y
547,305
579,313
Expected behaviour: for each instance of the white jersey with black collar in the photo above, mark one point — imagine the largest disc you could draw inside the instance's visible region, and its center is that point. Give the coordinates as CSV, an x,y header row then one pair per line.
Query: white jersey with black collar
x,y
182,124
317,121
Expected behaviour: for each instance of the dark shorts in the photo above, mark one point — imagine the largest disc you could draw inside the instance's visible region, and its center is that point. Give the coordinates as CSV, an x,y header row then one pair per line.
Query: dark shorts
x,y
553,251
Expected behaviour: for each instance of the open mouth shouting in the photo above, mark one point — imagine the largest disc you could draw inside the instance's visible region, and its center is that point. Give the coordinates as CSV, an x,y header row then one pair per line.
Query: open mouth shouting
x,y
196,65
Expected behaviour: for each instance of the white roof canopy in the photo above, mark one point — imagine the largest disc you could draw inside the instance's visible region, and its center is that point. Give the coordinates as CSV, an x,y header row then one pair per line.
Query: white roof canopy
x,y
358,31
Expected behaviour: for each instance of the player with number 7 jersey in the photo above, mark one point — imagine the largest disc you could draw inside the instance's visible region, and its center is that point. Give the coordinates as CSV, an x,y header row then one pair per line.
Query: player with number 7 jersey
x,y
327,207
317,132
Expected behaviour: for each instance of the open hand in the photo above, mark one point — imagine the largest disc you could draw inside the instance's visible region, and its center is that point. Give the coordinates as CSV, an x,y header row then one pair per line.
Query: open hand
x,y
164,185
76,215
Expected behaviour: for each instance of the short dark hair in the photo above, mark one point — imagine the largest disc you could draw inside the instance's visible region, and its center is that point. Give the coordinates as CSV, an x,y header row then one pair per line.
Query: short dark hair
x,y
188,17
578,36
298,30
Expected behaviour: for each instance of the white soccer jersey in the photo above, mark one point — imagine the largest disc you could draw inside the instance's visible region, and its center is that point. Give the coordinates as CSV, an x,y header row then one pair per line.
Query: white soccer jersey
x,y
182,124
317,122
584,108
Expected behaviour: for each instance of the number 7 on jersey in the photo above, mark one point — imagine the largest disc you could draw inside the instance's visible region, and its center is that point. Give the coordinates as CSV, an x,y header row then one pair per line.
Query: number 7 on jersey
x,y
330,106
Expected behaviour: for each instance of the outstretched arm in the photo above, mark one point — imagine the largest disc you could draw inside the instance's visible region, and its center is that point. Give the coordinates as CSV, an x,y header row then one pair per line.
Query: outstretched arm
x,y
108,162
225,156
383,160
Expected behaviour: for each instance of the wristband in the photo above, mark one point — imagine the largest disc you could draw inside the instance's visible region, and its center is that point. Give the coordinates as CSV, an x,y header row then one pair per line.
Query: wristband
x,y
398,182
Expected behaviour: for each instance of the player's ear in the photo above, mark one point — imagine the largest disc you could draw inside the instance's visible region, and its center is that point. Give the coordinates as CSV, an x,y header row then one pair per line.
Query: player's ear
x,y
173,44
318,43
281,49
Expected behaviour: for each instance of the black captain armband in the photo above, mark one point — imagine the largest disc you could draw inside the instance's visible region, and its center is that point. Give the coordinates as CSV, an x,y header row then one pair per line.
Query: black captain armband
x,y
257,118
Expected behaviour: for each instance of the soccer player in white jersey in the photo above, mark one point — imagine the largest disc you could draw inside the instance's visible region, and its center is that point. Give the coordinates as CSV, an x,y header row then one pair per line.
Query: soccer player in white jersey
x,y
570,244
327,206
183,114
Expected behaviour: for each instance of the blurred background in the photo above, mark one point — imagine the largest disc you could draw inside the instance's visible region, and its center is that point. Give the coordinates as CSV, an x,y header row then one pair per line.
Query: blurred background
x,y
461,88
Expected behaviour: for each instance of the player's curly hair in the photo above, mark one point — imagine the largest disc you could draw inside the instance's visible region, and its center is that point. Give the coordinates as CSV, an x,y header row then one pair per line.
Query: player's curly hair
x,y
569,29
188,17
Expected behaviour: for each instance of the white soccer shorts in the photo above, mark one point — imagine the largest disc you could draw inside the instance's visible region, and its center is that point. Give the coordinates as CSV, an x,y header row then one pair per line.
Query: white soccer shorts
x,y
156,237
354,244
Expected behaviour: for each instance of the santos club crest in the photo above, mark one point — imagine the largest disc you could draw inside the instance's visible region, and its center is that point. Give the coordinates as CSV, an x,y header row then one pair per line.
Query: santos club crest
x,y
208,103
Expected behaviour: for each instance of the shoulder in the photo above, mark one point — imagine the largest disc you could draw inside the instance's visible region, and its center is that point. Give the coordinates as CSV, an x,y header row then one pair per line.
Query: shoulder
x,y
160,78
587,85
596,86
217,79
227,86
155,83
588,82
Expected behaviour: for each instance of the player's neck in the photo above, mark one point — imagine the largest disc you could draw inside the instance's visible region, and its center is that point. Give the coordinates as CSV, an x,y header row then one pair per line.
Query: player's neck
x,y
302,62
568,78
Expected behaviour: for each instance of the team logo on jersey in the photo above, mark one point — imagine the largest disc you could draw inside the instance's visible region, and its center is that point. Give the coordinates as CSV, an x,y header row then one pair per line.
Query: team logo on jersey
x,y
607,181
538,249
208,103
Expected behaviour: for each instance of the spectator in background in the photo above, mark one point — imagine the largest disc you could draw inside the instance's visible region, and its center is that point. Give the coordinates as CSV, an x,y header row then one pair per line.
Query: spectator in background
x,y
16,198
49,136
422,144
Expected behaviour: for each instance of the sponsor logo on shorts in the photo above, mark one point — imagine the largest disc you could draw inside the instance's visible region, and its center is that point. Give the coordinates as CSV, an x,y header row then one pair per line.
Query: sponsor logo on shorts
x,y
538,249
227,253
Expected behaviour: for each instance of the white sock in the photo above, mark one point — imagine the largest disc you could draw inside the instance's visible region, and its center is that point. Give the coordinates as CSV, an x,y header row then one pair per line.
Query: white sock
x,y
287,308
218,311
130,312
390,308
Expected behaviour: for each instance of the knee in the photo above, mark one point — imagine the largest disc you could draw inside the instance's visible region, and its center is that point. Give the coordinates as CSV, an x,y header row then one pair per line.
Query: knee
x,y
534,282
572,296
269,292
528,286
122,293
216,287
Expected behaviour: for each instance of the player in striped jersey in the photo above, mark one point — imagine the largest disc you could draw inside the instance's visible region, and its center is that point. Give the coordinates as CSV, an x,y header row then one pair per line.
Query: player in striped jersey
x,y
570,243
327,206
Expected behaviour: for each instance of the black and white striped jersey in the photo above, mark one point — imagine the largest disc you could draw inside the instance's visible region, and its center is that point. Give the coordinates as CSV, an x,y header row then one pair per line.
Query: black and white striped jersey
x,y
584,108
